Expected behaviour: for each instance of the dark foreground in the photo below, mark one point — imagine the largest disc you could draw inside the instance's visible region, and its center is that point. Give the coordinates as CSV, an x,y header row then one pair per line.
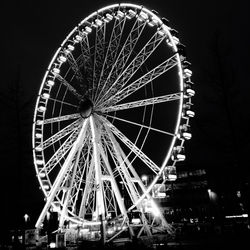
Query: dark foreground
x,y
218,239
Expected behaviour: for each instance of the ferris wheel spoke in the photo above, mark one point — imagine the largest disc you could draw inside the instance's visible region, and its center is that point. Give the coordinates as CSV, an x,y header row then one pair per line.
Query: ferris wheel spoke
x,y
132,146
60,134
132,68
142,103
62,102
122,167
78,183
69,187
61,118
98,55
69,86
100,209
142,126
63,171
113,184
112,50
86,62
60,153
87,190
74,66
123,56
142,81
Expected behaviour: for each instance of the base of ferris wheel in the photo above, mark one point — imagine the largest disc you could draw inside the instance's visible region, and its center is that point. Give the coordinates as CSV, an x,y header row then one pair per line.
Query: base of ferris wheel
x,y
142,229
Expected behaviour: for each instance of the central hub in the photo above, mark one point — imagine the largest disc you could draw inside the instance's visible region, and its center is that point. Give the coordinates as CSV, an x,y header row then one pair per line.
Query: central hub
x,y
85,107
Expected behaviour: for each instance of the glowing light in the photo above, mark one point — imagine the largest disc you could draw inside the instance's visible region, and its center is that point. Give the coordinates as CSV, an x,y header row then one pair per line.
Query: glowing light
x,y
52,245
212,195
42,175
98,22
62,59
78,38
45,96
46,187
56,71
155,210
39,149
187,73
170,172
39,162
176,40
187,135
119,14
39,122
38,135
142,16
160,195
190,92
50,83
71,47
108,18
180,157
161,32
237,216
130,14
136,221
153,22
41,108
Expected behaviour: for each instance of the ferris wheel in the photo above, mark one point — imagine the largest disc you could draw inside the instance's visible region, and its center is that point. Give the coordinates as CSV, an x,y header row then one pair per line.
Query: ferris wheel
x,y
114,104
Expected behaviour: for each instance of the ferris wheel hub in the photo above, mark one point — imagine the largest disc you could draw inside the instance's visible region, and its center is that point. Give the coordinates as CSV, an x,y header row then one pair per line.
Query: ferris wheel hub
x,y
85,107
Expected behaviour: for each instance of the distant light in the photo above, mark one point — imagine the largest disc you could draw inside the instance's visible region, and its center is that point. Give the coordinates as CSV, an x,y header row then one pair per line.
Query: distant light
x,y
160,195
136,221
26,217
52,245
212,195
237,216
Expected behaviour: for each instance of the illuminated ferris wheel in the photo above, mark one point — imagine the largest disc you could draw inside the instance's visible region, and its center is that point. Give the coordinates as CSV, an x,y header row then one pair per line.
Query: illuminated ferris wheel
x,y
114,105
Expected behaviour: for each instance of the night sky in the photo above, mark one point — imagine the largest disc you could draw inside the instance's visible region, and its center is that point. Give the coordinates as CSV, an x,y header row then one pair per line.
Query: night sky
x,y
217,37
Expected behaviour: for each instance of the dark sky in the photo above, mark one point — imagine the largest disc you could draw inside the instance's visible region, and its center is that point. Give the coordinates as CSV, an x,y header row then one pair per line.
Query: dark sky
x,y
217,37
